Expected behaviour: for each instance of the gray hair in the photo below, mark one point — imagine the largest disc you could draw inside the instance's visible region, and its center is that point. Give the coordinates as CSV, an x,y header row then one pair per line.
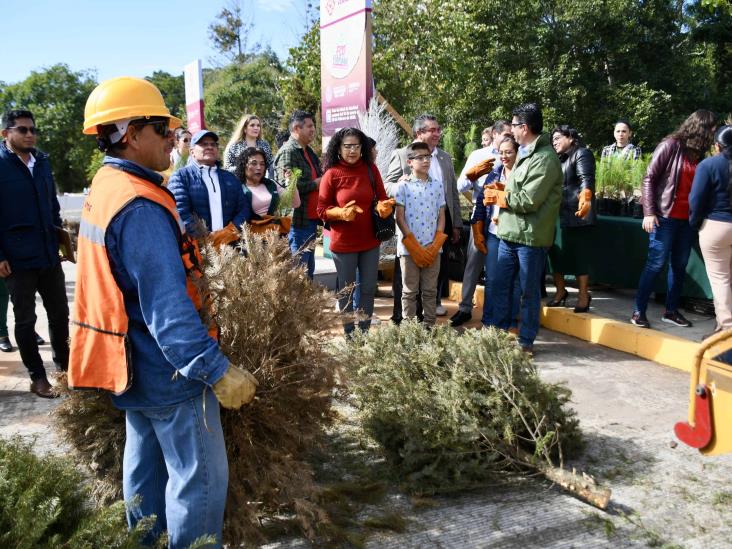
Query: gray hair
x,y
420,120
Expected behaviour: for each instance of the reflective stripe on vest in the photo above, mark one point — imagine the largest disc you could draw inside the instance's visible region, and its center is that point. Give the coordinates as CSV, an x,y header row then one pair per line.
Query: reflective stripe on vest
x,y
100,349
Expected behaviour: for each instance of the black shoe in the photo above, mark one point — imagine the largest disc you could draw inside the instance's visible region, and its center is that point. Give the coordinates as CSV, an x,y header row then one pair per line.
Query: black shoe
x,y
40,340
558,301
639,319
675,318
584,309
5,345
460,318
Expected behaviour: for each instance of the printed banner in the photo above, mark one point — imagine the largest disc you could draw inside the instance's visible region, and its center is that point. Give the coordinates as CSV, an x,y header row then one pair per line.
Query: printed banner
x,y
345,63
193,74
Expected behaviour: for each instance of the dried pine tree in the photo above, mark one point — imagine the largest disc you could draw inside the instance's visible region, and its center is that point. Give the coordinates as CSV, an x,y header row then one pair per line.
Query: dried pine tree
x,y
453,411
273,320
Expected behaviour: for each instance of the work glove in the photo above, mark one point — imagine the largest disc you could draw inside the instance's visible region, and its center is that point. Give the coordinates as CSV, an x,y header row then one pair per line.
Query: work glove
x,y
496,185
585,203
346,213
494,196
434,248
236,388
285,224
418,254
478,236
227,235
262,226
385,207
481,168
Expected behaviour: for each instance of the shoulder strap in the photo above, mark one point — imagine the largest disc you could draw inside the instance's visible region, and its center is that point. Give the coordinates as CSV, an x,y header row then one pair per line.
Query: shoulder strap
x,y
373,184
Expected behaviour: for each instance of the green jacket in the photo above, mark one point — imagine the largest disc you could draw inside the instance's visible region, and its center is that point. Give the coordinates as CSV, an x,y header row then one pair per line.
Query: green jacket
x,y
533,195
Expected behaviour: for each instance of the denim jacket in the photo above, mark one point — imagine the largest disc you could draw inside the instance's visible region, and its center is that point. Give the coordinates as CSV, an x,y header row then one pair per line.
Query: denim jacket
x,y
173,357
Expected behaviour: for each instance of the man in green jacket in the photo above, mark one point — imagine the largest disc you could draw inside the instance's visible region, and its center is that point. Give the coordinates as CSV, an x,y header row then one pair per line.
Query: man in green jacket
x,y
529,208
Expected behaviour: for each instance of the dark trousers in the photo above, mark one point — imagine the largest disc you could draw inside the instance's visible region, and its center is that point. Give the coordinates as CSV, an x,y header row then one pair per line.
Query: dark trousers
x,y
443,279
51,286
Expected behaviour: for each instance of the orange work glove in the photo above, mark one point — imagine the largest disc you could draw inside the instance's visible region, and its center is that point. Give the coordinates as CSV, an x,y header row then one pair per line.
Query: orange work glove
x,y
418,254
478,236
494,196
285,224
481,168
585,203
346,213
496,185
385,207
227,235
434,248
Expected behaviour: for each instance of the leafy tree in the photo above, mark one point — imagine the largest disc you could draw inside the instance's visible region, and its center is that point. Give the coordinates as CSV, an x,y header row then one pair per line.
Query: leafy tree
x,y
301,83
229,33
239,88
173,89
57,96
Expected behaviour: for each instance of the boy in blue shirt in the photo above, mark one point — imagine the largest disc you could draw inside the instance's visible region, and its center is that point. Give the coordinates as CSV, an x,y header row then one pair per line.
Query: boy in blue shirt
x,y
420,217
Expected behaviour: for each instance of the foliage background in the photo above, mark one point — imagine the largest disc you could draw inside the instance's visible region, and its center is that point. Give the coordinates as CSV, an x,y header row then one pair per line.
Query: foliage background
x,y
586,62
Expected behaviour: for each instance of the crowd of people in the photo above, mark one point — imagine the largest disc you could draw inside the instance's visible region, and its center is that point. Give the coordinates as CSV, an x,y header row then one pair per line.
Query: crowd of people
x,y
136,331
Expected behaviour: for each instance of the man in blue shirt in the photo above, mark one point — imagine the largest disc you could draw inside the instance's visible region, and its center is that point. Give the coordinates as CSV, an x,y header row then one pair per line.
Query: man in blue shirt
x,y
133,252
29,260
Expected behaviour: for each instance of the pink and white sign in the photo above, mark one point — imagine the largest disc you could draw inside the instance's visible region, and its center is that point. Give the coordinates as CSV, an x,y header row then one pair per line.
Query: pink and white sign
x,y
345,62
193,74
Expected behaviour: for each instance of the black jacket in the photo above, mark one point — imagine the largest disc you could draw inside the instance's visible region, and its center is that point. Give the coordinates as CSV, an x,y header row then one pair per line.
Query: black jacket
x,y
579,173
29,212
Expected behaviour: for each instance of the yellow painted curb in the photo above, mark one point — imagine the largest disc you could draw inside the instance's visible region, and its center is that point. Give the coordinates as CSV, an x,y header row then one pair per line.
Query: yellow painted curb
x,y
665,349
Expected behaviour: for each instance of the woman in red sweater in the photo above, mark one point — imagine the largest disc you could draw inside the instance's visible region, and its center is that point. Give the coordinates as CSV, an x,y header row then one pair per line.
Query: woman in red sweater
x,y
346,193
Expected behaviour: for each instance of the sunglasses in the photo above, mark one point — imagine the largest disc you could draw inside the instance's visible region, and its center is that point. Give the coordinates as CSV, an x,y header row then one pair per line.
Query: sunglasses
x,y
25,129
160,127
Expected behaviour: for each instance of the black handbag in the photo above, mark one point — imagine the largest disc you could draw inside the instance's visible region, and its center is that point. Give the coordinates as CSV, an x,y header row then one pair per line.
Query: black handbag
x,y
384,227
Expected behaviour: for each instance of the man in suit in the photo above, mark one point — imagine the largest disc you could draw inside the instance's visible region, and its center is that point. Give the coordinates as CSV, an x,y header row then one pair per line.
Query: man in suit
x,y
427,130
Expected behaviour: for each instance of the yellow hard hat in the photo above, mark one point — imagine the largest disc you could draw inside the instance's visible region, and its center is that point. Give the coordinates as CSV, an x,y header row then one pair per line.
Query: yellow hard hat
x,y
122,98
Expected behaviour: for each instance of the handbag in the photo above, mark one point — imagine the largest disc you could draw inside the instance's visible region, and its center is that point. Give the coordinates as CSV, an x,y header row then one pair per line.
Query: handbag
x,y
384,227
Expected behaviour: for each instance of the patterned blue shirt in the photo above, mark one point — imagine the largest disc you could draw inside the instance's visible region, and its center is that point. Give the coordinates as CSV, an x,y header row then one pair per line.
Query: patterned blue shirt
x,y
422,201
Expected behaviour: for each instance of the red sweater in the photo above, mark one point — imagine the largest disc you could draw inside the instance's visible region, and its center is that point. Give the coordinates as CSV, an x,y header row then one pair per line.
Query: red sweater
x,y
341,184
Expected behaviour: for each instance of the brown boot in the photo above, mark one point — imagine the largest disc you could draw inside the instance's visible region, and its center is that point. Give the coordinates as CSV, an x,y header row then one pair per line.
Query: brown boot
x,y
43,388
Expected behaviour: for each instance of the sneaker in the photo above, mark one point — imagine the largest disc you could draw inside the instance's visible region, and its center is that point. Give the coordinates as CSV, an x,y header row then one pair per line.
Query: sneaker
x,y
460,318
440,311
675,318
639,319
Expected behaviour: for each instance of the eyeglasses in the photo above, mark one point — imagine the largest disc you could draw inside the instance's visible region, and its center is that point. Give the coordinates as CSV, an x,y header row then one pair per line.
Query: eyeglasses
x,y
25,129
432,130
256,164
517,124
422,157
160,127
351,146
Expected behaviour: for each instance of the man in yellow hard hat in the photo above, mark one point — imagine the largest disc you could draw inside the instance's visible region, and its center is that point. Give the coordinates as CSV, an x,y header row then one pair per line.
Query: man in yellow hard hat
x,y
136,327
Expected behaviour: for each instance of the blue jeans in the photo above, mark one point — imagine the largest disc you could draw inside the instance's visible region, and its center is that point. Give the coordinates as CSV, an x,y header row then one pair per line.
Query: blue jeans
x,y
361,268
491,259
527,264
300,240
176,464
672,239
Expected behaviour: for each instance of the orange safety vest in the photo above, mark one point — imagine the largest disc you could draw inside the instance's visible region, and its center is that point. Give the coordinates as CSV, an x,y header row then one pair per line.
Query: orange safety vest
x,y
100,356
